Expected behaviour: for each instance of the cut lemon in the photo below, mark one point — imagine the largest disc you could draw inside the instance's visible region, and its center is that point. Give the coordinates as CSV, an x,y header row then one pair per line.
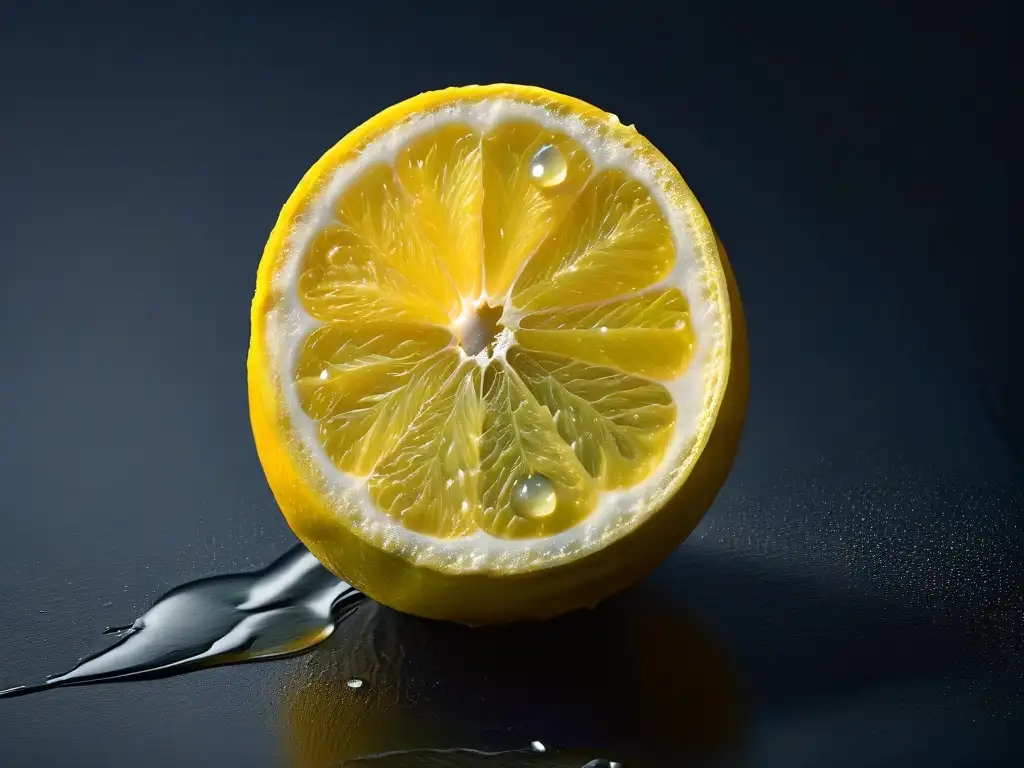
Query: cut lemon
x,y
498,367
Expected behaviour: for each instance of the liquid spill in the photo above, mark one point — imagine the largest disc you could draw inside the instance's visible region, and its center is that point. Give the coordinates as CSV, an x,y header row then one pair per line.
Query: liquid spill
x,y
282,610
437,756
467,758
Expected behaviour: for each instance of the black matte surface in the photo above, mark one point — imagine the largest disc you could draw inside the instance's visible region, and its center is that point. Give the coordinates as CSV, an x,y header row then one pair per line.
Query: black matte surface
x,y
859,577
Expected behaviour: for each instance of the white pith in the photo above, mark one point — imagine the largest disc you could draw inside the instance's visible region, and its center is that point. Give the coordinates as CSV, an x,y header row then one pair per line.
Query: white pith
x,y
617,512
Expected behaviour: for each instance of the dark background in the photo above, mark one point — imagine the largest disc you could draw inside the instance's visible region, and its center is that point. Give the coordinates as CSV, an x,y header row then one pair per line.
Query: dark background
x,y
859,574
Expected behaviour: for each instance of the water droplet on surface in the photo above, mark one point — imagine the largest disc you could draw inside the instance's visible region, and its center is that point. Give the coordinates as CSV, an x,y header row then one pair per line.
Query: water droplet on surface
x,y
537,746
355,683
534,497
548,167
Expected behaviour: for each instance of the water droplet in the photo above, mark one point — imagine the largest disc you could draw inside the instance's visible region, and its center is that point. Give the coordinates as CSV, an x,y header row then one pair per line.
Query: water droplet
x,y
534,497
548,167
537,746
355,683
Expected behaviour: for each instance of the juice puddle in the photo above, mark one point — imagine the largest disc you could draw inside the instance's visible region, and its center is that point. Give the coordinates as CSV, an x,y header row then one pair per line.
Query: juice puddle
x,y
282,610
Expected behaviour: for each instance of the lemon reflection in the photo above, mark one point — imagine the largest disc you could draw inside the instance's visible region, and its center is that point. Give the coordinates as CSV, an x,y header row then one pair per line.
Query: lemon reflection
x,y
632,680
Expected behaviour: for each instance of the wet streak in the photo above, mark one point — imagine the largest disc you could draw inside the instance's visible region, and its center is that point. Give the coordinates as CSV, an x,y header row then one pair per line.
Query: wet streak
x,y
281,610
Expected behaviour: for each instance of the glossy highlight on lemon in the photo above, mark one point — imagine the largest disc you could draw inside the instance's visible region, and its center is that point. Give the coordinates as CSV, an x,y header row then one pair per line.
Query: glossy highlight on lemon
x,y
498,365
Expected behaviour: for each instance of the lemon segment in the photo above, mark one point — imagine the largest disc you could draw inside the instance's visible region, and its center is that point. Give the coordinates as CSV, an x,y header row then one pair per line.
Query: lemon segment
x,y
649,334
613,241
442,174
617,425
521,208
372,260
429,482
520,444
363,387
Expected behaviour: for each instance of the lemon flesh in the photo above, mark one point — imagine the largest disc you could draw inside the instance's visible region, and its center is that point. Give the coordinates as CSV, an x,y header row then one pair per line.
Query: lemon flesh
x,y
492,337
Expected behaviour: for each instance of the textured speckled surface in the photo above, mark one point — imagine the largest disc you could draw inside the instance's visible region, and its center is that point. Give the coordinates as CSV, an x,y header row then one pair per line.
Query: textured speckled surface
x,y
854,597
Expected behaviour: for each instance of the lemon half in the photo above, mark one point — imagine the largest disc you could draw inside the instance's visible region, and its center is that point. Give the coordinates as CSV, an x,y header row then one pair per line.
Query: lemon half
x,y
498,366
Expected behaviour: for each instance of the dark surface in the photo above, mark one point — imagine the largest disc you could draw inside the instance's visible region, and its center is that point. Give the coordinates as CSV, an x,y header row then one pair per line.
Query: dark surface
x,y
856,589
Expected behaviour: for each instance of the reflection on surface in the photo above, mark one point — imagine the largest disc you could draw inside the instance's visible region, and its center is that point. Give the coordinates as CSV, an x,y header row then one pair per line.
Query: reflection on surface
x,y
634,681
618,686
281,610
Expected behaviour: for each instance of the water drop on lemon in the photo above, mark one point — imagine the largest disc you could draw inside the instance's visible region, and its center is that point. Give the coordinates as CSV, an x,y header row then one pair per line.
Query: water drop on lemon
x,y
548,167
534,497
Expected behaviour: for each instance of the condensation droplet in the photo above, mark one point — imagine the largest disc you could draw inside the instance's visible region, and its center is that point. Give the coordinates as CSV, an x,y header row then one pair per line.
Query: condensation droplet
x,y
355,683
548,167
534,497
